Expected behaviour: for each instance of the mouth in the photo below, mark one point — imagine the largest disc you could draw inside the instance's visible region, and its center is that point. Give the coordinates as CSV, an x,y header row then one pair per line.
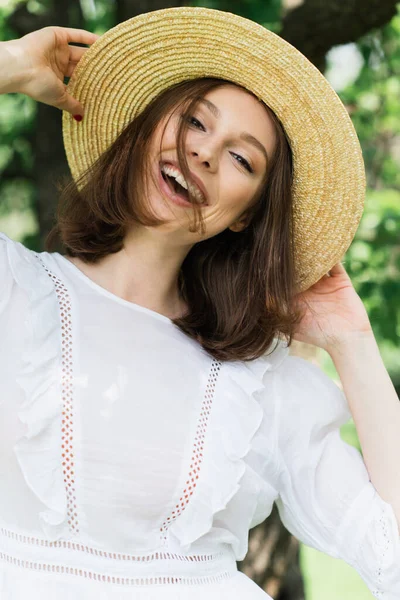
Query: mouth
x,y
177,186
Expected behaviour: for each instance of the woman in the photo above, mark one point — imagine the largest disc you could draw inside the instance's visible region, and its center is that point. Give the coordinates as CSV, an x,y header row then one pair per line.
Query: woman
x,y
150,412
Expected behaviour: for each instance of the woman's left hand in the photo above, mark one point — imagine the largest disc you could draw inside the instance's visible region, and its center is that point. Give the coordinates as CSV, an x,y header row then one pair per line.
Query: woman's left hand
x,y
332,311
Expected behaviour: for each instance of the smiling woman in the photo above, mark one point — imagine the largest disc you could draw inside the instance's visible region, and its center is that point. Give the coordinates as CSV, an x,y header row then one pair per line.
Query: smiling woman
x,y
233,222
139,440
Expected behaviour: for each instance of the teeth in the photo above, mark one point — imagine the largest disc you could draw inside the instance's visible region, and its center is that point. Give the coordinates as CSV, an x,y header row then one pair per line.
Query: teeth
x,y
177,175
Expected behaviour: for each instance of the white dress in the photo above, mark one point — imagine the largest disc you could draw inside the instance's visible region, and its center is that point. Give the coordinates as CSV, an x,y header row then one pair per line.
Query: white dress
x,y
133,464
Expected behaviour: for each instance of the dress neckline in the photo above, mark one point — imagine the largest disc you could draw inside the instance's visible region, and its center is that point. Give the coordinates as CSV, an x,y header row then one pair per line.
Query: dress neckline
x,y
105,292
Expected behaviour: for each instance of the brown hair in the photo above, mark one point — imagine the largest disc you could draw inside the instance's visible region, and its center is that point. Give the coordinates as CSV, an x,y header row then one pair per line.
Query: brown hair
x,y
238,286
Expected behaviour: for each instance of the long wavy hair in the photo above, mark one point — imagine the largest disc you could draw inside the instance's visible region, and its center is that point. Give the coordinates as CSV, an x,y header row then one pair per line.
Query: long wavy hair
x,y
239,287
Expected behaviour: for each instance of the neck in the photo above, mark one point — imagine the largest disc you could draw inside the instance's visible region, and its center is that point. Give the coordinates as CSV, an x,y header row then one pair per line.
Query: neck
x,y
145,271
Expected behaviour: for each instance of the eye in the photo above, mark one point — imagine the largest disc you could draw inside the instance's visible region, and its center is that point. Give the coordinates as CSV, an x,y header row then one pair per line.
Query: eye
x,y
244,163
191,119
242,160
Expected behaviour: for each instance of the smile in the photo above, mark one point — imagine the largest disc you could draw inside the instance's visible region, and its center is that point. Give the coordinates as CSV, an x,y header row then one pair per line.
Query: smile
x,y
173,185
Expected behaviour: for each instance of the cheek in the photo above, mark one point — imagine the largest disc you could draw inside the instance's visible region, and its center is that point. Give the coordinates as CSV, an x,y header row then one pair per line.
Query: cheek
x,y
237,191
164,137
170,133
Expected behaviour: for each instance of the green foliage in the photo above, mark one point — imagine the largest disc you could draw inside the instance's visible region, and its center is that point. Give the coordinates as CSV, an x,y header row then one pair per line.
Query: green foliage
x,y
373,260
103,19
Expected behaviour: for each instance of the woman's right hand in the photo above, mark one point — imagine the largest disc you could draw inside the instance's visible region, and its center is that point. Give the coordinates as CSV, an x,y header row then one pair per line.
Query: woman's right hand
x,y
47,58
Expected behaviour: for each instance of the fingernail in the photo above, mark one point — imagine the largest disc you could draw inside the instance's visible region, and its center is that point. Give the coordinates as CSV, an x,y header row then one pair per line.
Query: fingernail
x,y
78,117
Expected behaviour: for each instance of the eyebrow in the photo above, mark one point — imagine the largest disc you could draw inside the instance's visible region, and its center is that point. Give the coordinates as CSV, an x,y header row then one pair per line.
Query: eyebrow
x,y
246,137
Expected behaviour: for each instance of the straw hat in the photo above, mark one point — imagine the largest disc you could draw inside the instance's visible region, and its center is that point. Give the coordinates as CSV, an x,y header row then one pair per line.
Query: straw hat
x,y
136,60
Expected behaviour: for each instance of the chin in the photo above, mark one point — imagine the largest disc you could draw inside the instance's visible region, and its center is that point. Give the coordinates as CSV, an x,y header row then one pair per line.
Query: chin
x,y
162,210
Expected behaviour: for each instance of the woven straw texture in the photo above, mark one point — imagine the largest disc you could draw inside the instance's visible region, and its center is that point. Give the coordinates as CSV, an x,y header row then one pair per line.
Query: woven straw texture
x,y
136,60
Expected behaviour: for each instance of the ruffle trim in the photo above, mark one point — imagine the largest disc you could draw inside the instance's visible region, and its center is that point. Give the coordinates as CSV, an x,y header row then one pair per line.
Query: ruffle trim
x,y
38,451
216,507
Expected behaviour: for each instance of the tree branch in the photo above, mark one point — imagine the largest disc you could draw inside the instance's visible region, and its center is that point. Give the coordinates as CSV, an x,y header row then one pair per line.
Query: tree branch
x,y
316,26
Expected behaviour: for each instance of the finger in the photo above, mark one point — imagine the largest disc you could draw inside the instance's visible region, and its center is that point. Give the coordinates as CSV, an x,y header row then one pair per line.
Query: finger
x,y
80,36
337,269
76,53
70,69
68,103
75,56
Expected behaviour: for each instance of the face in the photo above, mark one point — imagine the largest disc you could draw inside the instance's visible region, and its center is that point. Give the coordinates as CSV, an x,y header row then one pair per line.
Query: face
x,y
229,142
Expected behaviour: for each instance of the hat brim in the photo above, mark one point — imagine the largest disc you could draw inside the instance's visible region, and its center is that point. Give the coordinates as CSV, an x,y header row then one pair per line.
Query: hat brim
x,y
133,62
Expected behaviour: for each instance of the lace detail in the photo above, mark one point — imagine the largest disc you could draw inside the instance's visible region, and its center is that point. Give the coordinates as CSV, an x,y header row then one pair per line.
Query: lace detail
x,y
156,567
158,555
88,574
67,430
198,446
378,593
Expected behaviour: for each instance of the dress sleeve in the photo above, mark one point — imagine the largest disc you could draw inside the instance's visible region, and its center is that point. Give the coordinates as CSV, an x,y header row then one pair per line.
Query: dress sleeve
x,y
326,498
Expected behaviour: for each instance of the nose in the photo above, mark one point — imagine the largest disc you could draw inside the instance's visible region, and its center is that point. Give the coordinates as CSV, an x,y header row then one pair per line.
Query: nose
x,y
204,155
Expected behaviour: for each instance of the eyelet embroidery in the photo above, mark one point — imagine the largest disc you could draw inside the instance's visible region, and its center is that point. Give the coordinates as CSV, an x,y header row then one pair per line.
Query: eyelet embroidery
x,y
29,564
378,593
67,430
228,566
197,456
158,555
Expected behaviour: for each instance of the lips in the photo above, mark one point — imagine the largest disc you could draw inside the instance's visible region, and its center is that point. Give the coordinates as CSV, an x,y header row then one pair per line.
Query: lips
x,y
194,178
173,196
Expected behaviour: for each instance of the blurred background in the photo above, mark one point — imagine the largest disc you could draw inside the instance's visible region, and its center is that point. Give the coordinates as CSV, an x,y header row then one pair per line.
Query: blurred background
x,y
356,44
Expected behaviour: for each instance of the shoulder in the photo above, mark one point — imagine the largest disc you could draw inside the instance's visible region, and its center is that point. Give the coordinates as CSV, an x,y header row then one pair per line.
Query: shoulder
x,y
307,398
6,272
291,375
12,253
296,370
20,270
